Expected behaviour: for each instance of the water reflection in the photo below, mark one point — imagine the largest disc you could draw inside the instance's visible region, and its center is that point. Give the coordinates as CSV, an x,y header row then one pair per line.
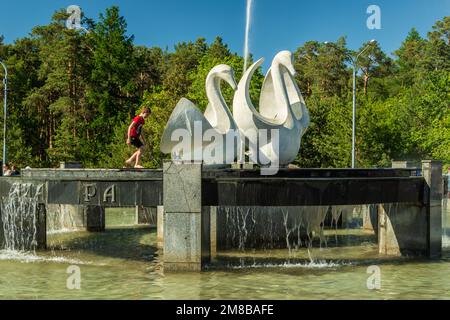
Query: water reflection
x,y
124,263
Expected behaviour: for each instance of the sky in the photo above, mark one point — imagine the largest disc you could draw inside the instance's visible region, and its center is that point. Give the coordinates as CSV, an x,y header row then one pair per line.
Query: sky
x,y
276,24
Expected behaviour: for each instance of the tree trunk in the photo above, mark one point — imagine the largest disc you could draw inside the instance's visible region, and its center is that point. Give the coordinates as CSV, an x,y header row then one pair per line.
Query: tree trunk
x,y
366,83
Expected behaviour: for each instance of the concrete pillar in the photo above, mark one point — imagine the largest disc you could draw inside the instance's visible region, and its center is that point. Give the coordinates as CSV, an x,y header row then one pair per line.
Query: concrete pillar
x,y
95,218
41,227
160,227
370,217
445,222
183,221
213,232
402,229
416,228
145,215
205,241
434,189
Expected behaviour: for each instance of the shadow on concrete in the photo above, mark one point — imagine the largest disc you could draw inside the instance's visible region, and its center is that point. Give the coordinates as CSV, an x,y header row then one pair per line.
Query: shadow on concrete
x,y
131,243
345,240
330,240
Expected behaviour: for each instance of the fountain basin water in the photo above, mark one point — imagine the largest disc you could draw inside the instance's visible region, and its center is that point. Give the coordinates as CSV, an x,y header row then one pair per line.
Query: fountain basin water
x,y
190,194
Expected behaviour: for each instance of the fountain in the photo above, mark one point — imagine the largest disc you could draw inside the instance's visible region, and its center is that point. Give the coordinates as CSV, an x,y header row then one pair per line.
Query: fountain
x,y
21,218
248,22
209,209
272,136
205,205
283,112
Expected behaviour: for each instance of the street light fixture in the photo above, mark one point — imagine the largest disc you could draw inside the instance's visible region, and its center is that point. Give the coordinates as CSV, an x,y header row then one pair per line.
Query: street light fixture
x,y
355,67
5,97
354,61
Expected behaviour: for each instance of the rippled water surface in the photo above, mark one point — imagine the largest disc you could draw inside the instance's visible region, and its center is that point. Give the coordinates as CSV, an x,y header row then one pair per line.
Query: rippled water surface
x,y
124,263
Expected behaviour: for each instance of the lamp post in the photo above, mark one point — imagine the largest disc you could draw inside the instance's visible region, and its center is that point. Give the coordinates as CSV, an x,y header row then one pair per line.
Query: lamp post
x,y
354,61
5,97
355,68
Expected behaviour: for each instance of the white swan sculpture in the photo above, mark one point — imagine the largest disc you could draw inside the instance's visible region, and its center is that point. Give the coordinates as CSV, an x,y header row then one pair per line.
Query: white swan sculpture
x,y
204,137
282,108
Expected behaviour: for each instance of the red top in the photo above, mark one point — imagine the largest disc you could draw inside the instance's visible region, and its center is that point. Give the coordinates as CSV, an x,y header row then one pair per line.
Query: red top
x,y
136,130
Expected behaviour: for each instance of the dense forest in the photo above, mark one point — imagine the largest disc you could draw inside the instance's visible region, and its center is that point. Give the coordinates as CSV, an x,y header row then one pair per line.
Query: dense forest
x,y
72,94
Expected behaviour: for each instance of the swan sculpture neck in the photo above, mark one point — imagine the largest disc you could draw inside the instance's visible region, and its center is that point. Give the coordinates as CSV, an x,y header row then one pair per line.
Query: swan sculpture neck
x,y
278,71
220,117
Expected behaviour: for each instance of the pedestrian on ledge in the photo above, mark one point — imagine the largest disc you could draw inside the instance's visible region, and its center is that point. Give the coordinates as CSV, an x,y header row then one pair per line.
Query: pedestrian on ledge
x,y
6,170
14,171
134,137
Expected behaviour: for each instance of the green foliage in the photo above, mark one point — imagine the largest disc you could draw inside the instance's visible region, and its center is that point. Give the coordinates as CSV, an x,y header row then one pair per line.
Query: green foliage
x,y
111,77
73,94
322,68
327,143
218,53
118,151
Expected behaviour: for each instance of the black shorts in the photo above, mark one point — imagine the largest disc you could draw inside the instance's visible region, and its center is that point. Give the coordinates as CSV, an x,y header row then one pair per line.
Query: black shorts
x,y
136,142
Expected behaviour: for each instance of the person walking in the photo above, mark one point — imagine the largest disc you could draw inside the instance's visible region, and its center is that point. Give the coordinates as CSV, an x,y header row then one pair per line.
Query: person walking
x,y
136,138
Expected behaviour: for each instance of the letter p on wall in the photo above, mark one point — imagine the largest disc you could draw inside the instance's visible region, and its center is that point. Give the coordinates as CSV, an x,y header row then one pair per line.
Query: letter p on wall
x,y
374,20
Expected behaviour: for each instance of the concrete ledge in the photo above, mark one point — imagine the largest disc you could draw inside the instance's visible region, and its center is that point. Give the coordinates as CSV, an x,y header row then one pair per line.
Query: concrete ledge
x,y
95,218
182,187
282,192
93,174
